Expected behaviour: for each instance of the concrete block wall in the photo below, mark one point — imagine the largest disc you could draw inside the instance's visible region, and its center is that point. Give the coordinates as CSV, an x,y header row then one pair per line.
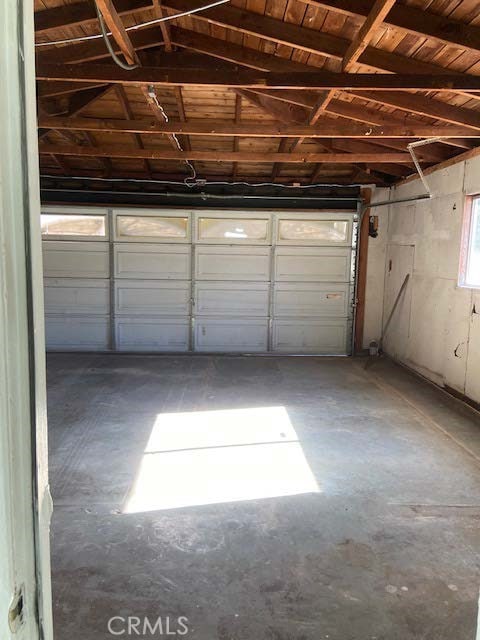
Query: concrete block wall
x,y
436,329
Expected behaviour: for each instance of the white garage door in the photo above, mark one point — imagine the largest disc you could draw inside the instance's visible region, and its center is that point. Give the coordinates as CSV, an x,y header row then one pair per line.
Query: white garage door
x,y
208,281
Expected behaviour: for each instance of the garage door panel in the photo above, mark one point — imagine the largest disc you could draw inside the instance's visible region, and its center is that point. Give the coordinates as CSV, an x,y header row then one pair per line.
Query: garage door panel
x,y
310,336
232,298
224,335
149,261
311,299
64,259
77,333
138,297
232,263
71,296
312,264
152,334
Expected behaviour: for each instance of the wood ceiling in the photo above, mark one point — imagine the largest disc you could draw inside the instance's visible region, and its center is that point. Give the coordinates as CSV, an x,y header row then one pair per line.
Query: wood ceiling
x,y
297,91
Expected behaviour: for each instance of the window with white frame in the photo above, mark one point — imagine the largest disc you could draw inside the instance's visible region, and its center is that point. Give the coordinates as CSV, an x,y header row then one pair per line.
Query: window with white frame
x,y
60,225
470,257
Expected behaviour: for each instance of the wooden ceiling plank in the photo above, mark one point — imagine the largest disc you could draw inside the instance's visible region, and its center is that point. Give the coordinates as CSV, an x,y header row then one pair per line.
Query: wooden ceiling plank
x,y
412,19
81,13
128,114
282,111
105,162
237,121
291,35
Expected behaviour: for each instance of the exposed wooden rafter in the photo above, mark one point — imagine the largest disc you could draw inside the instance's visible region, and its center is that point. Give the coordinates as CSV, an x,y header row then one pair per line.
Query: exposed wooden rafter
x,y
224,156
264,27
247,79
250,59
341,99
328,128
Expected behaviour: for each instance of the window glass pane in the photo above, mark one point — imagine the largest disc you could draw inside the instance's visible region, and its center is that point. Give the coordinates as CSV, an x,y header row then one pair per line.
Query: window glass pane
x,y
151,226
54,224
473,263
232,229
318,230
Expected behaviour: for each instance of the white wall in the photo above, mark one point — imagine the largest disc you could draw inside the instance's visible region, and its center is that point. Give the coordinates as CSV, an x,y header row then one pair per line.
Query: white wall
x,y
434,330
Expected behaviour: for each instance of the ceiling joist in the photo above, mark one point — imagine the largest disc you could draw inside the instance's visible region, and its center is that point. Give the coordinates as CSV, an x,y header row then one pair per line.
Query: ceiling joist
x,y
247,79
358,123
224,156
221,128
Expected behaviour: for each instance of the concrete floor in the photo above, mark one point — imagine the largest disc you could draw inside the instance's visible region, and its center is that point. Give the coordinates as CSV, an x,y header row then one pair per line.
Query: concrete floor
x,y
382,544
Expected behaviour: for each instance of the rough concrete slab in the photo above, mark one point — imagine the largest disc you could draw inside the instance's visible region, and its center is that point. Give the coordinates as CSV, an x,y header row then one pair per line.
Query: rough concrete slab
x,y
386,548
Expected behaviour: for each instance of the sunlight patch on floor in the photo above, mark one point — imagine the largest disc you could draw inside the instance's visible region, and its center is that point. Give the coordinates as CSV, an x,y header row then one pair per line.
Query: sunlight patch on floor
x,y
208,457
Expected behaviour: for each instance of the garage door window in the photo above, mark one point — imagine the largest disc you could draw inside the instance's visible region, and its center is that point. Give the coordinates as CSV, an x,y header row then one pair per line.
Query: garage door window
x,y
174,228
233,229
329,231
470,259
78,226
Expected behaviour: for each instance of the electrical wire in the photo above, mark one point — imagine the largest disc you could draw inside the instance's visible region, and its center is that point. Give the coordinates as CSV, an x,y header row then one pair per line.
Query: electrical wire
x,y
203,183
116,59
190,180
135,26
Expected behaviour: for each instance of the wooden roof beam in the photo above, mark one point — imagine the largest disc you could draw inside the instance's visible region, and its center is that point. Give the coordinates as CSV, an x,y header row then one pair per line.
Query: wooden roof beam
x,y
327,128
164,26
115,25
212,77
361,41
423,106
224,156
252,59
